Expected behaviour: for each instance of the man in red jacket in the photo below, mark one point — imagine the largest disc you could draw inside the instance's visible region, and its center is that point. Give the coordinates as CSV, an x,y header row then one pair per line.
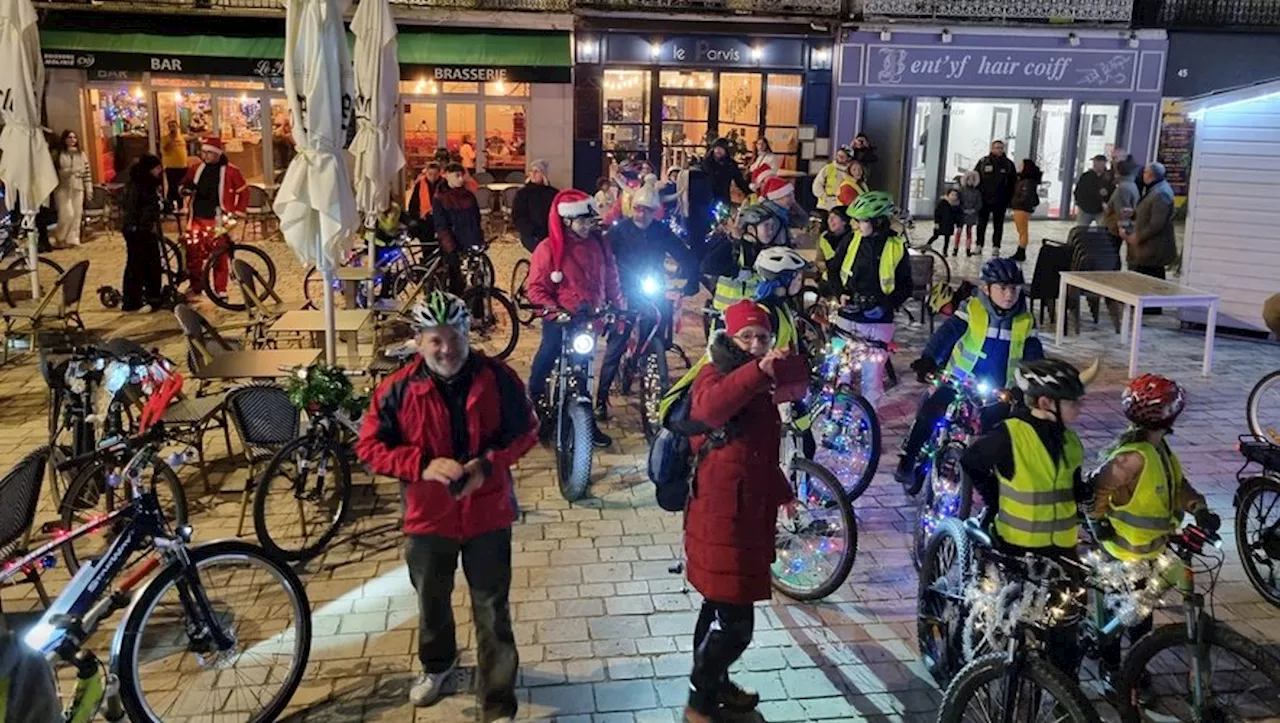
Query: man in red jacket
x,y
217,188
572,269
449,426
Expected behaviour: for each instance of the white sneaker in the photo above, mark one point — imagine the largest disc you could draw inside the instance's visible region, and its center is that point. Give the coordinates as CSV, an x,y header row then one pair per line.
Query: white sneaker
x,y
426,689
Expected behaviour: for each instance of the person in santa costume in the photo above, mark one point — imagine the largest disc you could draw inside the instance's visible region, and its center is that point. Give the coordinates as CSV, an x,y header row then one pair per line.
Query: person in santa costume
x,y
572,269
215,187
780,196
764,165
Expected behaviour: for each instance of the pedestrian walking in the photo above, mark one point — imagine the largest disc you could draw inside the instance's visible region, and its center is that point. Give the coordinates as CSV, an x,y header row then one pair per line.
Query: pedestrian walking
x,y
1092,189
141,207
996,178
532,205
173,151
449,426
1026,196
970,208
733,505
1151,247
75,184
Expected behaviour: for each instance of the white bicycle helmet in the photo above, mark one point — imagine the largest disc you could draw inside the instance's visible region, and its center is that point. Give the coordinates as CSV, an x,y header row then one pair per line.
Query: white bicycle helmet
x,y
440,308
777,261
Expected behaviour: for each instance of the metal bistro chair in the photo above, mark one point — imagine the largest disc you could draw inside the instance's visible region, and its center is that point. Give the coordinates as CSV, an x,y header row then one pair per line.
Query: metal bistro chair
x,y
921,281
516,177
484,178
32,317
95,208
19,497
258,212
266,420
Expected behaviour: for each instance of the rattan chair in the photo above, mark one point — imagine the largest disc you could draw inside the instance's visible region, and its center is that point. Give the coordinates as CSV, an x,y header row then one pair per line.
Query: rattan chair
x,y
266,420
204,341
516,177
19,497
483,178
264,305
258,212
58,309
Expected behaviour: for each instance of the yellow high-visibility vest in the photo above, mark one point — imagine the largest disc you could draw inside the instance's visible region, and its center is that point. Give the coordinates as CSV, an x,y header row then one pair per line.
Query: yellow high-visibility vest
x,y
894,249
1038,504
1142,525
966,353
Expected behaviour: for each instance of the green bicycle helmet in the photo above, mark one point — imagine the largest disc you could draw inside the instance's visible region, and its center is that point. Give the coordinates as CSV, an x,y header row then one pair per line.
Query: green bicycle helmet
x,y
440,308
872,204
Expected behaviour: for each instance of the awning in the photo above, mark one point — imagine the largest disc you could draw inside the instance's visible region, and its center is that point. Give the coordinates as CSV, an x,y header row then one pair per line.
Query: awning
x,y
539,57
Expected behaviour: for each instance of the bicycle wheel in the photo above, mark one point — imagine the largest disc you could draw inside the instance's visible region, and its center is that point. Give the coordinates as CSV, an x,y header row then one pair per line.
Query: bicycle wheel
x,y
18,288
945,573
494,329
818,541
519,275
1264,408
1240,680
949,495
654,383
301,498
90,496
1044,693
849,441
172,260
170,664
1258,535
477,271
230,297
573,450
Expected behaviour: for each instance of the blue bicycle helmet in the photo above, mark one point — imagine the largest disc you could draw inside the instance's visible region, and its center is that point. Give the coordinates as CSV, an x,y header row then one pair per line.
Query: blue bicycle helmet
x,y
1002,271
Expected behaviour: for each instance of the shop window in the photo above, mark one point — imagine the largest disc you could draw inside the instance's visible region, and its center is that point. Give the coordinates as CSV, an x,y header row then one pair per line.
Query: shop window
x,y
283,148
782,107
192,111
505,132
626,110
240,127
460,133
1099,126
120,135
740,99
237,84
685,124
460,88
504,89
1052,120
974,124
421,134
687,79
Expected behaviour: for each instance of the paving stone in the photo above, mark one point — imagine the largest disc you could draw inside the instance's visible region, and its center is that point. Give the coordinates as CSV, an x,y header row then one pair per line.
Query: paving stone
x,y
625,695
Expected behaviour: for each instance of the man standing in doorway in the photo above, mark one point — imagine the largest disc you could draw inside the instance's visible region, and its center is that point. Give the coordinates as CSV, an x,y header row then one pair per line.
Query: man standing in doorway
x,y
1091,193
996,176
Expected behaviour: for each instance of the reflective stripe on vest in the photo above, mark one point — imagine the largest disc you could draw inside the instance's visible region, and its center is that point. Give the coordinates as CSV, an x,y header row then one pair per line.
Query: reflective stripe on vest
x,y
966,353
1142,525
784,336
894,250
1037,506
729,291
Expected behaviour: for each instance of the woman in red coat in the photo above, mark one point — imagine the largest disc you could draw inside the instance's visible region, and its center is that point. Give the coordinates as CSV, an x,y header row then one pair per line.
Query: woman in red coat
x,y
729,525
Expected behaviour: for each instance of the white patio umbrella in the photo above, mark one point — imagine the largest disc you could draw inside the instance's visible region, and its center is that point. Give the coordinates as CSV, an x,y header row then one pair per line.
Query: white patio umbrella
x,y
378,156
315,203
26,168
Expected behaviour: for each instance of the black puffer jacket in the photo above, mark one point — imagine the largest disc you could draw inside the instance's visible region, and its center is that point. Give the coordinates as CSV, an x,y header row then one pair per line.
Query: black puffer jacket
x,y
140,203
723,173
1026,192
531,207
996,178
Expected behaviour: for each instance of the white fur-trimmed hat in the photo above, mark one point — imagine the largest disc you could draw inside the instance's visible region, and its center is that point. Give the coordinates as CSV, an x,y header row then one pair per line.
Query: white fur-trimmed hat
x,y
776,189
577,207
212,143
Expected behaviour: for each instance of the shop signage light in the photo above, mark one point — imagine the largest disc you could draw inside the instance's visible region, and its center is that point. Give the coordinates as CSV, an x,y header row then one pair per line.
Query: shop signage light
x,y
1200,112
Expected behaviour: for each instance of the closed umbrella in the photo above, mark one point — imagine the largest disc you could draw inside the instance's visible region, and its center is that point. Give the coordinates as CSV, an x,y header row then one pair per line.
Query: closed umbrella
x,y
315,203
378,156
26,168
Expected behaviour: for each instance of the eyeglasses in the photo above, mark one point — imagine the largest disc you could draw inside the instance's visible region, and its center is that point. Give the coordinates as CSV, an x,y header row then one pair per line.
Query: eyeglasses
x,y
748,339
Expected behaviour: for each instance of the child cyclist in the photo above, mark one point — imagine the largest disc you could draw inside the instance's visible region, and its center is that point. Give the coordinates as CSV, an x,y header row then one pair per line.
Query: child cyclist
x,y
985,340
1140,493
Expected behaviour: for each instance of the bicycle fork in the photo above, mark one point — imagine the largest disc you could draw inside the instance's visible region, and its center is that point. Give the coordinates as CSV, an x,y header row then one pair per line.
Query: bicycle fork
x,y
1201,668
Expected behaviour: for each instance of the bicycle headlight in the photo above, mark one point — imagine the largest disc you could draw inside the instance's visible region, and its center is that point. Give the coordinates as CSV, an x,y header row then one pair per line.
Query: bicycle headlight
x,y
984,389
650,286
584,344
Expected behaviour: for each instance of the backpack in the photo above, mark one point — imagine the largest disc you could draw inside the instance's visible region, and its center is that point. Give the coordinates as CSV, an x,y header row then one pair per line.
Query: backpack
x,y
672,463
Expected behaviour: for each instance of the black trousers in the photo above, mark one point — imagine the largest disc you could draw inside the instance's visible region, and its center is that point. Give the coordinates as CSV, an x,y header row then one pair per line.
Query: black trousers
x,y
618,339
141,283
722,634
995,215
931,410
486,562
174,178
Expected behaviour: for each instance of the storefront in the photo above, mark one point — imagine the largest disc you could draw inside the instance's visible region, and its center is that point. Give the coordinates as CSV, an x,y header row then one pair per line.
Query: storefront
x,y
472,93
933,99
666,98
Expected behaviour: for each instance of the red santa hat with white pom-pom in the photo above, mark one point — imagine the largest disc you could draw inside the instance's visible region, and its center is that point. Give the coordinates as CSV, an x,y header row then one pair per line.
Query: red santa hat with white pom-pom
x,y
776,189
567,205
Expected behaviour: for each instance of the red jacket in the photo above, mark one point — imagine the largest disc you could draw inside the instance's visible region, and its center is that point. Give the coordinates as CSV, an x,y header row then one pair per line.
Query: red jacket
x,y
732,514
232,188
408,425
590,273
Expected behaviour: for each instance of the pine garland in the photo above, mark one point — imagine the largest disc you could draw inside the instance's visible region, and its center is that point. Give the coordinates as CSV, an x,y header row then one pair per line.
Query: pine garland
x,y
321,386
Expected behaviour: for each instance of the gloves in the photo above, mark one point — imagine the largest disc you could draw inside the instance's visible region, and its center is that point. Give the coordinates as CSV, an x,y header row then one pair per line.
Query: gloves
x,y
923,367
1102,530
1207,520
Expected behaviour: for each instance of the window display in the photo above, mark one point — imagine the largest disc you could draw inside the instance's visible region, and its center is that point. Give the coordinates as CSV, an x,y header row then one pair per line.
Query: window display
x,y
240,127
421,134
626,110
120,130
505,129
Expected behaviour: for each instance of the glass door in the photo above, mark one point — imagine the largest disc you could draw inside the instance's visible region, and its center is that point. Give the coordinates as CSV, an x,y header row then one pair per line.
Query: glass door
x,y
926,142
1099,128
1052,120
505,134
460,133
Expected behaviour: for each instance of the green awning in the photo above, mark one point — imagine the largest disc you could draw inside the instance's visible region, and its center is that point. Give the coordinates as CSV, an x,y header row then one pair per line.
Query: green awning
x,y
475,49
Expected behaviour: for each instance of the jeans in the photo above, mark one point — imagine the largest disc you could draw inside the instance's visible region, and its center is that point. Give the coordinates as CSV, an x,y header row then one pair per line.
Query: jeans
x,y
932,408
141,270
721,635
1084,219
544,359
995,215
486,562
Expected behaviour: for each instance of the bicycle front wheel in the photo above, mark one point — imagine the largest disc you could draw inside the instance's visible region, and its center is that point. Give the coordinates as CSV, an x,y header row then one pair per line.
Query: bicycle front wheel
x,y
948,496
302,498
90,496
225,637
945,574
1043,693
494,329
1258,535
1240,681
817,541
1264,408
229,297
849,442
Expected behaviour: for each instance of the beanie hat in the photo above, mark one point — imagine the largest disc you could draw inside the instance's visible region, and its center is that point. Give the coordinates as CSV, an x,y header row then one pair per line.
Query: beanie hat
x,y
542,165
212,143
743,314
645,196
776,189
569,203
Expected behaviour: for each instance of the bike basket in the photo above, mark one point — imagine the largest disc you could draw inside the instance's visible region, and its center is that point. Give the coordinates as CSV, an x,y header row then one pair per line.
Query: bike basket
x,y
1259,451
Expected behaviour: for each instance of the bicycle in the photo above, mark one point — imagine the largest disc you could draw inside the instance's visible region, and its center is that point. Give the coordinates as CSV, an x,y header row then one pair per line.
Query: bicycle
x,y
173,269
184,608
645,359
1257,520
526,311
223,256
11,234
568,401
848,429
941,269
308,480
1263,408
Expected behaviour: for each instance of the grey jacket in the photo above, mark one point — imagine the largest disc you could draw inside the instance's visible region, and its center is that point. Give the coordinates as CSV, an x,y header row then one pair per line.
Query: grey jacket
x,y
1154,243
1124,197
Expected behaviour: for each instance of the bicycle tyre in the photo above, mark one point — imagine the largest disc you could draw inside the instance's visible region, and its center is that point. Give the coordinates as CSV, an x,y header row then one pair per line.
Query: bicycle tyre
x,y
172,260
1250,490
341,479
125,648
1074,706
1252,409
496,310
855,484
95,474
1175,635
520,275
654,383
573,450
231,249
19,264
840,572
935,506
940,609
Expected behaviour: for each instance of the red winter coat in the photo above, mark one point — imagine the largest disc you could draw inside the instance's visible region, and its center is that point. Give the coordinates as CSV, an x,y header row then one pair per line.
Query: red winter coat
x,y
232,188
407,425
730,523
590,273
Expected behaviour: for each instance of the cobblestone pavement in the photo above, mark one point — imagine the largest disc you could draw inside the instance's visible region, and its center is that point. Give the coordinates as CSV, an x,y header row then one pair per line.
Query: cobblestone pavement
x,y
603,627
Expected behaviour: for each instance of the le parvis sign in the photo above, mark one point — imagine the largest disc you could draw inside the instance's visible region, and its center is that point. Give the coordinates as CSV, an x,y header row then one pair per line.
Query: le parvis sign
x,y
908,66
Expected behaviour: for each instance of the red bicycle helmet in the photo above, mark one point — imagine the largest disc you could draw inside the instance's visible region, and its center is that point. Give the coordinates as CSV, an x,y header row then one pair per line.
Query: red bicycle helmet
x,y
1153,401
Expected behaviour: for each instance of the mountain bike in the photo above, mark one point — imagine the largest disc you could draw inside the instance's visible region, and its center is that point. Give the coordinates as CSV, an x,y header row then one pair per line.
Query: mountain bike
x,y
846,427
214,623
225,253
1257,525
568,400
1263,408
646,358
816,537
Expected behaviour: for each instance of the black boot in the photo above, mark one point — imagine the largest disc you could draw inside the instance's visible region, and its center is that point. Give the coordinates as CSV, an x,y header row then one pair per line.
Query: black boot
x,y
736,699
602,409
1019,255
905,474
598,438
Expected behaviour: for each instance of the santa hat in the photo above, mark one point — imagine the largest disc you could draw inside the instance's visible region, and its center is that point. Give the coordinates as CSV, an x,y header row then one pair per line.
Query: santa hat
x,y
212,144
776,189
567,204
743,314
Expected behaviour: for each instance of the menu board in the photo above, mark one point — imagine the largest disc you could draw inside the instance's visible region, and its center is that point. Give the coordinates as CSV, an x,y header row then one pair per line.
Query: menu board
x,y
1177,137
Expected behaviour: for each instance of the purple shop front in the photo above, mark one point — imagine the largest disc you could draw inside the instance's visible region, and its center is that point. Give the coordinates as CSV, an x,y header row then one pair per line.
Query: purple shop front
x,y
931,101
